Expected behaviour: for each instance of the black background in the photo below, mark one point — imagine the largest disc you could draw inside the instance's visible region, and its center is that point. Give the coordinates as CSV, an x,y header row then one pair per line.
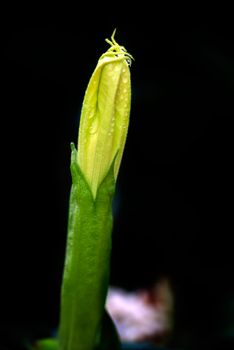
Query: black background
x,y
174,201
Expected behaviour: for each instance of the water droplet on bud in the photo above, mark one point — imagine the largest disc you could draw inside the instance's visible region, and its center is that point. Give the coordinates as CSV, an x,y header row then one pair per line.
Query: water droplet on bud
x,y
93,127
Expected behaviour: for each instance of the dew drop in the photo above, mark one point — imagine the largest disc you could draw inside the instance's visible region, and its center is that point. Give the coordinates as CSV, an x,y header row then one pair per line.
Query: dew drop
x,y
91,130
94,127
111,131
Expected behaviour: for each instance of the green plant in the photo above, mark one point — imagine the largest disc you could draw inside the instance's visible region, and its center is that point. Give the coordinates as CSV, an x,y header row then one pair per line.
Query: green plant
x,y
94,169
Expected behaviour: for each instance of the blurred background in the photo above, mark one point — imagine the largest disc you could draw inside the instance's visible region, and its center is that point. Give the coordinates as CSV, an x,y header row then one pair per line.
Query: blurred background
x,y
174,202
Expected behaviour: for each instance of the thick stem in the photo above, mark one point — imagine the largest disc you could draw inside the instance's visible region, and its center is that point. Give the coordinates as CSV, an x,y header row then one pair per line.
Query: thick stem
x,y
86,272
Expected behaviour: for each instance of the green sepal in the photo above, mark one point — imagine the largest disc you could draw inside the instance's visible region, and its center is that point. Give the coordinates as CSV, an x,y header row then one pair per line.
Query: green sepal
x,y
86,271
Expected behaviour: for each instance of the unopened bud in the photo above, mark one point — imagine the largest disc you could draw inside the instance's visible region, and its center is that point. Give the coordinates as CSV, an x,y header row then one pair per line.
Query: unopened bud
x,y
105,116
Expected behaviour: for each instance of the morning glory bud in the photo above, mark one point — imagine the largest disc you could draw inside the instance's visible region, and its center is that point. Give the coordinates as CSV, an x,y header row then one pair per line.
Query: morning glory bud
x,y
105,116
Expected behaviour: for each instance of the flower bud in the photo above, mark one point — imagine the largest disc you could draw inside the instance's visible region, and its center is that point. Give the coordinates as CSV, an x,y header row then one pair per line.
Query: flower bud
x,y
105,116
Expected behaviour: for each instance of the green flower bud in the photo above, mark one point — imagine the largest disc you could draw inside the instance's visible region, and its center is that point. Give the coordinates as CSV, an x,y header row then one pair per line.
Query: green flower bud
x,y
105,116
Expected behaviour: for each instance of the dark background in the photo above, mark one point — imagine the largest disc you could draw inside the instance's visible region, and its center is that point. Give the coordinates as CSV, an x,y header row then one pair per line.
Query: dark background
x,y
174,201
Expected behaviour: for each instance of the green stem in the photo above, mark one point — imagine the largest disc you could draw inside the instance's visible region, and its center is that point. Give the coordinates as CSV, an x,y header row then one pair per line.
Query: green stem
x,y
86,271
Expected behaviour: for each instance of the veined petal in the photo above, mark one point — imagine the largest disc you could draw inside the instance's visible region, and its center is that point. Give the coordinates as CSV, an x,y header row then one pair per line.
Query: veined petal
x,y
105,116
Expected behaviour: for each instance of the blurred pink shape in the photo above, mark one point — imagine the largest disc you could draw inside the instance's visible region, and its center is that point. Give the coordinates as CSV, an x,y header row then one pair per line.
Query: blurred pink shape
x,y
144,315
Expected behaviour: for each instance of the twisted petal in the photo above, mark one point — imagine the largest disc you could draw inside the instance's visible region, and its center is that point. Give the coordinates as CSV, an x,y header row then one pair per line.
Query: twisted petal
x,y
105,115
